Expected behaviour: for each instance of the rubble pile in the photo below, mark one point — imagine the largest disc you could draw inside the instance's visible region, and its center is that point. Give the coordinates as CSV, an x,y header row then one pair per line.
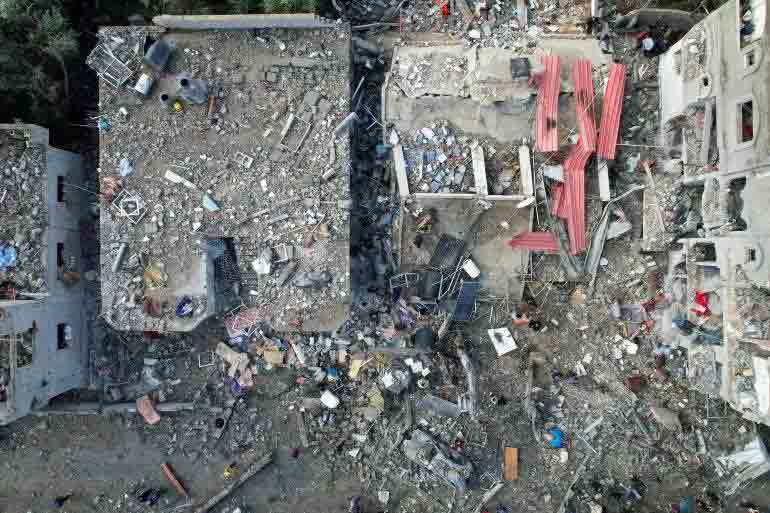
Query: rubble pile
x,y
432,381
439,160
263,109
23,197
478,320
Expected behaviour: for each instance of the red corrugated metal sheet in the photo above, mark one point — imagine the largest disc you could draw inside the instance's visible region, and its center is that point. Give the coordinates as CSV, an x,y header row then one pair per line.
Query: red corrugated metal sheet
x,y
576,223
611,109
536,241
582,77
557,196
546,114
568,200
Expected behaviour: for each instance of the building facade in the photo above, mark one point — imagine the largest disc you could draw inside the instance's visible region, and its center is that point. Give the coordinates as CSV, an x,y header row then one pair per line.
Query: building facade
x,y
42,333
715,119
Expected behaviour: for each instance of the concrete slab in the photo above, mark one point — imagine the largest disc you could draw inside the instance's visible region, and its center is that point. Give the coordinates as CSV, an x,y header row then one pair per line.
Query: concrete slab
x,y
505,122
500,265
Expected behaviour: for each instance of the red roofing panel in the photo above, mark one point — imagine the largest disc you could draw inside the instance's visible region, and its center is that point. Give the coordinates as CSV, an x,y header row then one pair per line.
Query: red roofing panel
x,y
557,196
582,77
536,241
611,111
572,205
546,114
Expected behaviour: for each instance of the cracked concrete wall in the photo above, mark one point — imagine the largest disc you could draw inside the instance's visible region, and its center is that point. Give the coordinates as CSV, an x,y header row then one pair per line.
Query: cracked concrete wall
x,y
724,72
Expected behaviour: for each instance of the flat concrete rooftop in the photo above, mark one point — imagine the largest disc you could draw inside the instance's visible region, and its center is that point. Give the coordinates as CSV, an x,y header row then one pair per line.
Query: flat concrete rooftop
x,y
252,163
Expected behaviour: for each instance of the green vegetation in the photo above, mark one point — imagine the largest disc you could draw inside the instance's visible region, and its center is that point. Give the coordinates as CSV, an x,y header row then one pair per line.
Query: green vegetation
x,y
38,47
36,41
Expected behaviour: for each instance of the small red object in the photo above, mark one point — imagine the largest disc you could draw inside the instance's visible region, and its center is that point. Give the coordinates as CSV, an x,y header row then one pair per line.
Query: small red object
x,y
702,302
444,7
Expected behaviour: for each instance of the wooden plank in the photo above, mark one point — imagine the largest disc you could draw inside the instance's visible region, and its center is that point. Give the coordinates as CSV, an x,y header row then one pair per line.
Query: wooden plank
x,y
479,171
173,481
525,171
400,165
511,464
252,470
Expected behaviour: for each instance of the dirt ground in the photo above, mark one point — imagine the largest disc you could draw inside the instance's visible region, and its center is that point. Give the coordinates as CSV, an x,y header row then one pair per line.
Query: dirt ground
x,y
101,461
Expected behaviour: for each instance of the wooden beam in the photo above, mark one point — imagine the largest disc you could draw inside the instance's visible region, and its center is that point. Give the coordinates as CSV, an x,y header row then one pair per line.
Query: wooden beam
x,y
252,470
511,464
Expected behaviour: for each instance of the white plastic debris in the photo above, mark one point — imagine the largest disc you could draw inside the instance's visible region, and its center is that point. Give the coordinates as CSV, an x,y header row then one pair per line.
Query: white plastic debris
x,y
526,202
554,172
471,269
125,168
502,340
626,345
175,178
329,400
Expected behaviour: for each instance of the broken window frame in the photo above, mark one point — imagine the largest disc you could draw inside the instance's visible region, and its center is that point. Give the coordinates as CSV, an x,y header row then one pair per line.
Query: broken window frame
x,y
61,336
752,58
740,109
60,192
